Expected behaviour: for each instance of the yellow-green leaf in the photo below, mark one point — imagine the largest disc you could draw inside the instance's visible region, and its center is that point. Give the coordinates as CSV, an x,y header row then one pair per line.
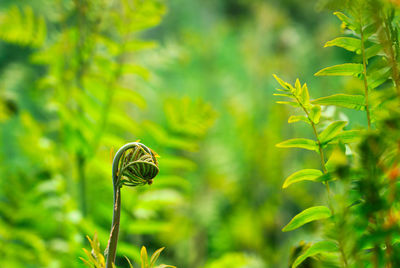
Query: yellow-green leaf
x,y
347,21
317,248
306,216
302,175
155,256
356,102
331,131
305,96
315,113
348,43
297,87
297,118
346,69
348,136
284,84
284,95
144,257
291,103
299,143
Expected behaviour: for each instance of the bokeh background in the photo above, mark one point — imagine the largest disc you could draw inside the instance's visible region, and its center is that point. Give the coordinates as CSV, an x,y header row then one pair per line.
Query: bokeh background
x,y
192,79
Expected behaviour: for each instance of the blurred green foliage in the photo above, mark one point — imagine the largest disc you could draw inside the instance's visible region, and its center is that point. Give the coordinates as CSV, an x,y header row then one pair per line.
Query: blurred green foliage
x,y
192,79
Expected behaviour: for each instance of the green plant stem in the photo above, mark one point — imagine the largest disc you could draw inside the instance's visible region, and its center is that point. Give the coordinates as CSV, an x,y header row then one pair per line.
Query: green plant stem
x,y
323,164
113,241
392,58
111,250
364,59
320,149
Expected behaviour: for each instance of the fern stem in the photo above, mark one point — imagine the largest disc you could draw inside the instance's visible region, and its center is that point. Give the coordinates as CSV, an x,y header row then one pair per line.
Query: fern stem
x,y
113,240
364,59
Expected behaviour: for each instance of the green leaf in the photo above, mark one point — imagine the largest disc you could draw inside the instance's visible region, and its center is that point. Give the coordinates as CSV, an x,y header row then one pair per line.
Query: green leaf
x,y
291,103
345,69
347,21
297,87
317,248
129,262
369,30
283,95
284,84
299,143
136,69
143,257
348,136
305,96
377,78
348,43
297,118
306,216
372,50
302,175
356,102
331,131
315,113
155,256
325,177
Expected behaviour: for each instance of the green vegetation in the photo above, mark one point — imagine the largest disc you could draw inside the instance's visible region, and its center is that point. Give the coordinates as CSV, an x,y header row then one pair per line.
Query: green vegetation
x,y
242,182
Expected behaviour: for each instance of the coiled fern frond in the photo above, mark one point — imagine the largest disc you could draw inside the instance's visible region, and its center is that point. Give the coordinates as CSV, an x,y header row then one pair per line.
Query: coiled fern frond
x,y
138,166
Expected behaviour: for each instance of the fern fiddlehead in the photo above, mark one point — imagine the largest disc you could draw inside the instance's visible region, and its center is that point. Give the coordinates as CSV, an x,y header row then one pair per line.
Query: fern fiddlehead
x,y
134,165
